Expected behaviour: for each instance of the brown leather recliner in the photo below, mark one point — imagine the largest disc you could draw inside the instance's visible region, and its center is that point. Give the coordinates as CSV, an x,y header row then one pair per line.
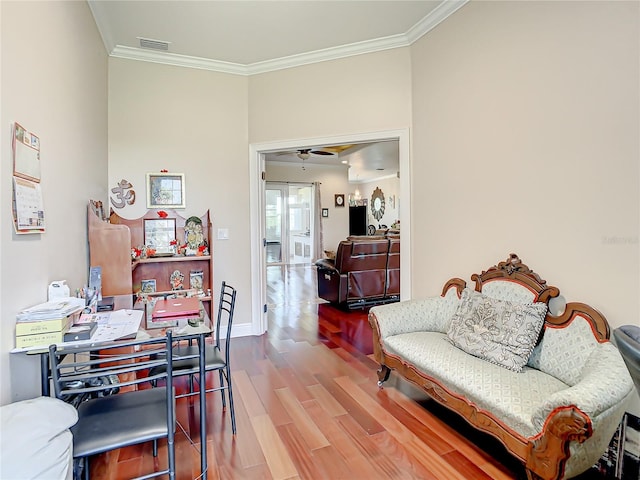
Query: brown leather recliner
x,y
360,276
393,267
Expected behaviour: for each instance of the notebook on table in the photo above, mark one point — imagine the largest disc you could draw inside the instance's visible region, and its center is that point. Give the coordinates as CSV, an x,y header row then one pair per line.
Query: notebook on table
x,y
170,308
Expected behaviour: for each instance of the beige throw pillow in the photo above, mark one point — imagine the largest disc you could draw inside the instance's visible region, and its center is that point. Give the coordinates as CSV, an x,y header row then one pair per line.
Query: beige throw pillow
x,y
498,331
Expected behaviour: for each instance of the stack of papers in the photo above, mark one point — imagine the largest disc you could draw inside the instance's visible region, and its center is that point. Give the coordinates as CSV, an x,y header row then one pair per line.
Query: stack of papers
x,y
58,308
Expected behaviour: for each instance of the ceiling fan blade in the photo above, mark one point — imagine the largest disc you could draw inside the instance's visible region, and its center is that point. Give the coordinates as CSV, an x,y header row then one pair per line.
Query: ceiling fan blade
x,y
321,152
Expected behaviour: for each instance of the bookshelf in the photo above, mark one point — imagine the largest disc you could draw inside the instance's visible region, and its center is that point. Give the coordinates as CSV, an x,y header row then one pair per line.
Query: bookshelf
x,y
111,244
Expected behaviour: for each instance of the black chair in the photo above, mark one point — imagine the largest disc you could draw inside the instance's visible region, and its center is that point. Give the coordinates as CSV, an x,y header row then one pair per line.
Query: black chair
x,y
108,417
628,342
186,356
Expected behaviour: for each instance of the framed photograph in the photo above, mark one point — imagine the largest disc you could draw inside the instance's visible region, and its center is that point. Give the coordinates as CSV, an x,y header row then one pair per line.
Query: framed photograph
x,y
196,280
165,190
148,286
159,233
339,199
325,212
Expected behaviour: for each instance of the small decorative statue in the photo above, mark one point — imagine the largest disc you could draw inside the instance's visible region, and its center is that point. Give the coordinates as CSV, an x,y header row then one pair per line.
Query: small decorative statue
x,y
177,279
194,236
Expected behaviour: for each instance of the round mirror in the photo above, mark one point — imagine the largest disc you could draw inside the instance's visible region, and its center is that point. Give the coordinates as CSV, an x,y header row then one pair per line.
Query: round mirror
x,y
377,204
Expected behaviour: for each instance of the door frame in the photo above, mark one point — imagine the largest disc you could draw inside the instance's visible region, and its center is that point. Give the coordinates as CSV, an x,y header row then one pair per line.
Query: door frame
x,y
257,184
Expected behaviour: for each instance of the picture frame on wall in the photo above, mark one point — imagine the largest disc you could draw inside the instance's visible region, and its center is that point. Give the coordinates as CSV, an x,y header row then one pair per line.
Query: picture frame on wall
x,y
325,212
165,190
339,199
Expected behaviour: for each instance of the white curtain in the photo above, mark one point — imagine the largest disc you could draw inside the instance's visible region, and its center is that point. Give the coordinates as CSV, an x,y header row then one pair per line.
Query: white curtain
x,y
318,248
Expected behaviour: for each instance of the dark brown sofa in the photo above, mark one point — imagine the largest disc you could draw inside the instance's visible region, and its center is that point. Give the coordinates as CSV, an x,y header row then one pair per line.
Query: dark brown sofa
x,y
365,272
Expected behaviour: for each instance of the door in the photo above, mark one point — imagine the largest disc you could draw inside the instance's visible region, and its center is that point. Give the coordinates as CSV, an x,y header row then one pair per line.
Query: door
x,y
289,223
275,223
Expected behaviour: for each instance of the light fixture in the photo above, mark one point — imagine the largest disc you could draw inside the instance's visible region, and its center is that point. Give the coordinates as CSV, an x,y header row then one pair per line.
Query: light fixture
x,y
303,155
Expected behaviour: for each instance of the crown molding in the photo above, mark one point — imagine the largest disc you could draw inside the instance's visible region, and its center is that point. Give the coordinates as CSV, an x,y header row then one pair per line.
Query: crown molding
x,y
435,18
428,23
334,53
177,60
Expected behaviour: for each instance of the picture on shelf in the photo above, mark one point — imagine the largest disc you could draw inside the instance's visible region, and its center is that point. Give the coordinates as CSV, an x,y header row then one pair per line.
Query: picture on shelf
x,y
196,280
159,233
148,286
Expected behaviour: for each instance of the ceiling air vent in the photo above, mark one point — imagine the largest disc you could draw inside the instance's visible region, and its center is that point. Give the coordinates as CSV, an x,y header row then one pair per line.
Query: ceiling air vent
x,y
153,44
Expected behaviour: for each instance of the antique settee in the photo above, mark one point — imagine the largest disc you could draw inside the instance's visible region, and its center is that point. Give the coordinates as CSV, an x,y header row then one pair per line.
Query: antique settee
x,y
364,272
552,389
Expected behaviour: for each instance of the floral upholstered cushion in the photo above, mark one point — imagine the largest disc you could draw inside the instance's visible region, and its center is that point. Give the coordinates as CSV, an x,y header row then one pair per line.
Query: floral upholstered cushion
x,y
498,331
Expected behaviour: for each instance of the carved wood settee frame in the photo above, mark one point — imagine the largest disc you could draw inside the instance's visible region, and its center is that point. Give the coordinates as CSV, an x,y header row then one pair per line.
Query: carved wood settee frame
x,y
545,455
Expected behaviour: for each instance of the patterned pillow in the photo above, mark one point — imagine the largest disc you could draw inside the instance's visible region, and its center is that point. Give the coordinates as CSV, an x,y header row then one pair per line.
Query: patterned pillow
x,y
498,331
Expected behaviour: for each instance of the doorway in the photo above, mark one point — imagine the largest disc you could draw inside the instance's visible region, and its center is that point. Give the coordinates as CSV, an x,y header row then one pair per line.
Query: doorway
x,y
257,186
289,223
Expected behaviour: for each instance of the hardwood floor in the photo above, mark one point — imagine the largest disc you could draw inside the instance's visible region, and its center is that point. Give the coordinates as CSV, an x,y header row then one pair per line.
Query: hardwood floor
x,y
308,407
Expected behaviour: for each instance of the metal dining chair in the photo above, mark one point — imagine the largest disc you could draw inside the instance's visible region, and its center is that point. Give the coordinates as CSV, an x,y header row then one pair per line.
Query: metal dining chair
x,y
108,416
216,354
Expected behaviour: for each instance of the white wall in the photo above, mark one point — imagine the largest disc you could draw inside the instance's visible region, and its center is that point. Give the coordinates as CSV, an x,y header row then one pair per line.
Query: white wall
x,y
54,83
390,187
193,122
365,93
333,180
525,140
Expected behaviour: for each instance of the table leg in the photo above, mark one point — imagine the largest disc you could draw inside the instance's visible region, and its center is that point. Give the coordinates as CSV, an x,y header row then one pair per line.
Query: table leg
x,y
44,374
203,407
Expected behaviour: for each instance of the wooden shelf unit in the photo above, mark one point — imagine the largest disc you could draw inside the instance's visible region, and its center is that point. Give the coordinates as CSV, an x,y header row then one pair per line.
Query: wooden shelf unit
x,y
110,241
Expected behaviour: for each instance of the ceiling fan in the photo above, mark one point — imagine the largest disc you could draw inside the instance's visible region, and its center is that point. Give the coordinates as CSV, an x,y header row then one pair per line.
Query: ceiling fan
x,y
304,153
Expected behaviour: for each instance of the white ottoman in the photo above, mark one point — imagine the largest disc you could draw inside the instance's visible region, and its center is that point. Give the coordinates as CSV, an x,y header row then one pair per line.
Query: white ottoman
x,y
35,441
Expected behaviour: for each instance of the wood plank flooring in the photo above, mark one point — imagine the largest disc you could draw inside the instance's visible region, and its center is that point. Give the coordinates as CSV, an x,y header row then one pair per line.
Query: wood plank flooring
x,y
308,407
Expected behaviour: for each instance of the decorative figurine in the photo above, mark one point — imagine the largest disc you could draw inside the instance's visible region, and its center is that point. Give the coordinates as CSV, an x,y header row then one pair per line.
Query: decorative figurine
x,y
177,279
194,236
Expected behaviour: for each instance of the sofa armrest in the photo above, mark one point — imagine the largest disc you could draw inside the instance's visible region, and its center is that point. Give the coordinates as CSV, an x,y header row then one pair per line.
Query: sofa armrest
x,y
429,314
327,264
605,383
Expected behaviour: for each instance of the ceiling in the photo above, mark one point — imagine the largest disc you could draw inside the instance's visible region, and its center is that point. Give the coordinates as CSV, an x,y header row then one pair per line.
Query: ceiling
x,y
250,37
364,162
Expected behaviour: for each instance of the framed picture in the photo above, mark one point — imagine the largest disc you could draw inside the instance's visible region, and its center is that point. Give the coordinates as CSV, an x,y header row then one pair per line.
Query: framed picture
x,y
196,280
159,233
339,199
325,212
165,190
148,286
